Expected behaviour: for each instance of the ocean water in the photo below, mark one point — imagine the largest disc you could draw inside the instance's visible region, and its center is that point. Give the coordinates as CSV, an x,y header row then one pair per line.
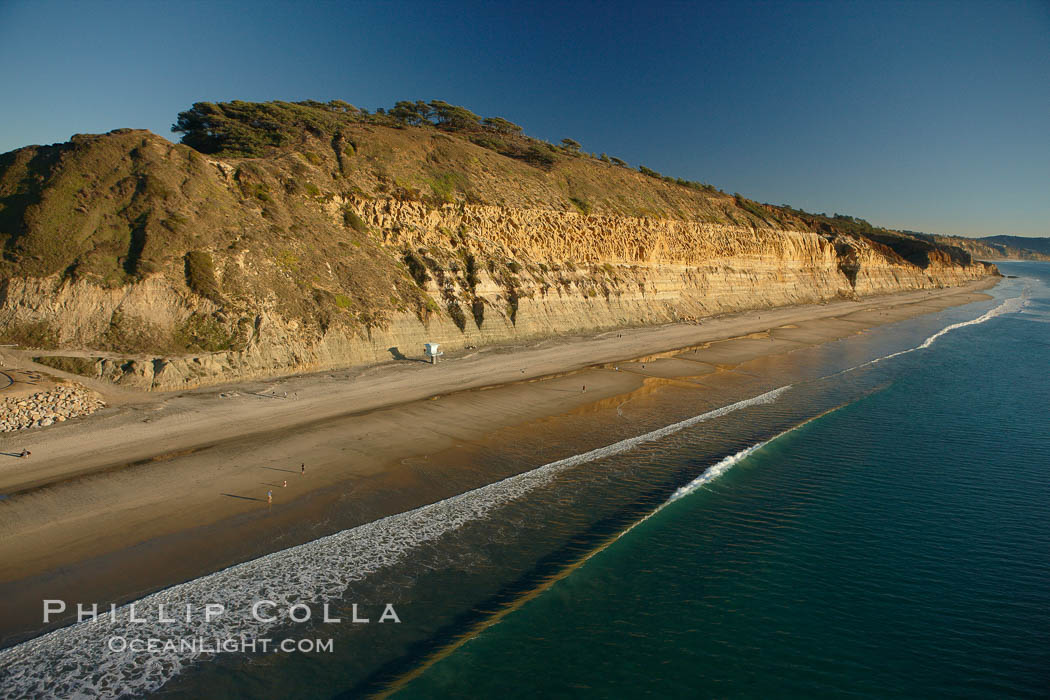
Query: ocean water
x,y
897,546
874,524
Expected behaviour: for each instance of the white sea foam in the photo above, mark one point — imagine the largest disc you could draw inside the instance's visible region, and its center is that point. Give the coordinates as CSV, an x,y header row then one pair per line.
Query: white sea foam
x,y
1012,305
718,469
75,661
710,474
1007,307
726,463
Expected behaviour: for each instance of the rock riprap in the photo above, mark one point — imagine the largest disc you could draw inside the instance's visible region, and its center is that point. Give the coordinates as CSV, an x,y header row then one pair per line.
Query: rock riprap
x,y
44,408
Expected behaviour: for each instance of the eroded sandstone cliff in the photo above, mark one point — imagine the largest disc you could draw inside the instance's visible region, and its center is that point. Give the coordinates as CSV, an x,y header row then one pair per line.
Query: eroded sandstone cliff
x,y
164,268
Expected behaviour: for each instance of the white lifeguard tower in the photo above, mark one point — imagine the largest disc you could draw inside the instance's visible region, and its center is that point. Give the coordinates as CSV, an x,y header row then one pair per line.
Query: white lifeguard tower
x,y
431,350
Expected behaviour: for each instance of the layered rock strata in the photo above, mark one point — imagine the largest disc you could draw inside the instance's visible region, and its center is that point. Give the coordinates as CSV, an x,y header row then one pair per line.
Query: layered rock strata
x,y
491,275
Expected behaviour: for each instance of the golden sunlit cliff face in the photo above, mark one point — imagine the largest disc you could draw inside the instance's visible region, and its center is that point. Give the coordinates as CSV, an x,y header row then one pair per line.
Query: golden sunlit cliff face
x,y
166,268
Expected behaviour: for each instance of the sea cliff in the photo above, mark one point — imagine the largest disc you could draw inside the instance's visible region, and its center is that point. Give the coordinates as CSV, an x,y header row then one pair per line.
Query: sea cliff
x,y
155,266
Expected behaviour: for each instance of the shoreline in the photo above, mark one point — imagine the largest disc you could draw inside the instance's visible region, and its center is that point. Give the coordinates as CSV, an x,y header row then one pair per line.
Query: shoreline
x,y
171,491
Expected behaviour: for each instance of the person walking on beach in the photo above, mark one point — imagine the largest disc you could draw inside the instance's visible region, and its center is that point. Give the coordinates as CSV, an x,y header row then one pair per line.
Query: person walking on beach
x,y
269,496
302,469
285,484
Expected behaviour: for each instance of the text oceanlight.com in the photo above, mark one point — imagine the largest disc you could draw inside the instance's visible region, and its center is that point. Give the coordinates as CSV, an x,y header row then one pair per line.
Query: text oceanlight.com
x,y
202,645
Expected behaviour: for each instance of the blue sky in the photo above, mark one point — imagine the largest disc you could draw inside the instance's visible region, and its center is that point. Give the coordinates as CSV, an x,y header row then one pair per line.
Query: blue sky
x,y
922,115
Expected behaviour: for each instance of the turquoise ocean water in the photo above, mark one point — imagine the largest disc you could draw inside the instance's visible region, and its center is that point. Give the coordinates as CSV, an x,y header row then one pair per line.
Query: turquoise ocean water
x,y
876,523
898,546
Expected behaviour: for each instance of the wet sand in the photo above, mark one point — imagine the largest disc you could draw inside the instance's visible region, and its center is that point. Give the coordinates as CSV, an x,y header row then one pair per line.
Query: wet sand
x,y
165,488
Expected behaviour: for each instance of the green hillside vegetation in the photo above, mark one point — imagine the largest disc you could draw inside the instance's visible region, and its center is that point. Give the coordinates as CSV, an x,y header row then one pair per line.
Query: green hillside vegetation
x,y
266,187
254,129
118,208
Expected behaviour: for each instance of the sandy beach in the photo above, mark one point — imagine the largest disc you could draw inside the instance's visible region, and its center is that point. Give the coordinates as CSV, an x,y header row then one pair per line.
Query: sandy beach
x,y
162,488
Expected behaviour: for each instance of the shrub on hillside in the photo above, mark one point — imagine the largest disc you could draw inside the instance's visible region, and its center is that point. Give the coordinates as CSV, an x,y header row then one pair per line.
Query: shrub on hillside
x,y
200,275
352,220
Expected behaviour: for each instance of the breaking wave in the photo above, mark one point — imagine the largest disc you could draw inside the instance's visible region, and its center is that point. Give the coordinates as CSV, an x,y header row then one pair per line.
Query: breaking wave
x,y
1012,305
718,469
725,464
76,661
